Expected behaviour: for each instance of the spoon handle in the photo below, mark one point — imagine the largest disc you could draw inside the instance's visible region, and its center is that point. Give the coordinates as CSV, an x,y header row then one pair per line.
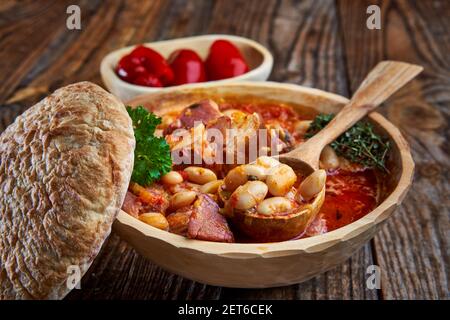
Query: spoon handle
x,y
385,79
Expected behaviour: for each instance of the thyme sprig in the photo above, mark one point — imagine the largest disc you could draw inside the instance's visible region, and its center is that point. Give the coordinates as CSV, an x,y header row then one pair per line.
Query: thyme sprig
x,y
359,144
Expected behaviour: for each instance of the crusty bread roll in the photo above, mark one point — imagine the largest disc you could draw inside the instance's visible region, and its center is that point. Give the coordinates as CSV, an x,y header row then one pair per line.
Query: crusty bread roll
x,y
65,165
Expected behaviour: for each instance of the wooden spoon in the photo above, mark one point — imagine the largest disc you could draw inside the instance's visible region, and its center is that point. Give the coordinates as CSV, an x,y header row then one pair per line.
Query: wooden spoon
x,y
385,79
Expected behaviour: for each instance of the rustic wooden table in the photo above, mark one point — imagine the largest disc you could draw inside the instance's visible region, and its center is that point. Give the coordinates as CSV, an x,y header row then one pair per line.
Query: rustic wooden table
x,y
316,43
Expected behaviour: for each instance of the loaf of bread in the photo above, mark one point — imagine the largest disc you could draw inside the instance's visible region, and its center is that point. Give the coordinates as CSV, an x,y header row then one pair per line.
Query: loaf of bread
x,y
65,165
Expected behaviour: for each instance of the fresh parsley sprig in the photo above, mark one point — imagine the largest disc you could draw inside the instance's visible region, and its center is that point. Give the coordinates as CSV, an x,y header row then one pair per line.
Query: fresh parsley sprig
x,y
359,144
152,154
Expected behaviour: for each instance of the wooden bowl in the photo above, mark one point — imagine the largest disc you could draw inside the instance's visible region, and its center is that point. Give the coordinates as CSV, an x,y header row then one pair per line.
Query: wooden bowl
x,y
265,265
259,59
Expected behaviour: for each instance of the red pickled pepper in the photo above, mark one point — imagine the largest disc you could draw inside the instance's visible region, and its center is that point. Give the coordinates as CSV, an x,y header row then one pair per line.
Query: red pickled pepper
x,y
146,67
224,61
127,68
187,67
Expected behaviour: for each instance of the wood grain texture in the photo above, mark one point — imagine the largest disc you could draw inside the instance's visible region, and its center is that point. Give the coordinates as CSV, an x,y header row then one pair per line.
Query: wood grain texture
x,y
413,248
19,53
320,44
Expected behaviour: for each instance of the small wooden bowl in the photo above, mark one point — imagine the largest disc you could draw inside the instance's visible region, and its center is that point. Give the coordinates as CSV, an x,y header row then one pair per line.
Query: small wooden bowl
x,y
259,59
265,265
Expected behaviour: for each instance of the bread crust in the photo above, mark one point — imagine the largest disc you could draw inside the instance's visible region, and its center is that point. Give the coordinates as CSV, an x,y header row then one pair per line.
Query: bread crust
x,y
65,165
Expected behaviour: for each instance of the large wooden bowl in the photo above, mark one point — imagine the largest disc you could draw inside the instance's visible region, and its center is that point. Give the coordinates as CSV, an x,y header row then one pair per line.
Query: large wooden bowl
x,y
267,264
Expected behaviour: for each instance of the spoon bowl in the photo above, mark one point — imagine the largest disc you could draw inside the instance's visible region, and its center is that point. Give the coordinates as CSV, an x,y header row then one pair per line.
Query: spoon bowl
x,y
280,227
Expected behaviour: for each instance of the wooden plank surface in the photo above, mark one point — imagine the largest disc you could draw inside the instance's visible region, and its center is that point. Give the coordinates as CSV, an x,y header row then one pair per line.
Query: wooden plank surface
x,y
322,44
413,248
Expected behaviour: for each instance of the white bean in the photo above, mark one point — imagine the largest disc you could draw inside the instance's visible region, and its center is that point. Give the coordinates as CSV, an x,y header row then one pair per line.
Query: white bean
x,y
257,189
242,200
248,195
313,184
235,178
267,162
280,180
211,187
301,127
274,205
200,175
155,219
172,178
240,175
253,170
182,199
328,159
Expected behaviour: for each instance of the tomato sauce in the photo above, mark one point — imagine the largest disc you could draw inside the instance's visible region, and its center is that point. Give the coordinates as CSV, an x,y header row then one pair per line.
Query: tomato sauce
x,y
349,196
